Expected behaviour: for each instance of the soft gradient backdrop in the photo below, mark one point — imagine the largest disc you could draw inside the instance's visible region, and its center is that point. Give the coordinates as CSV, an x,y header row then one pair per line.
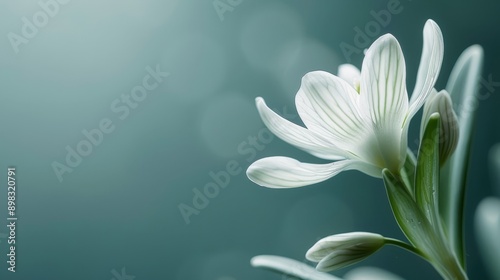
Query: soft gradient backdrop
x,y
117,212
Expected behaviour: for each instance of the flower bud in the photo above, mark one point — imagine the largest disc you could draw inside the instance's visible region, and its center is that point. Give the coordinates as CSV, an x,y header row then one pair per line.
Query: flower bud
x,y
340,250
440,102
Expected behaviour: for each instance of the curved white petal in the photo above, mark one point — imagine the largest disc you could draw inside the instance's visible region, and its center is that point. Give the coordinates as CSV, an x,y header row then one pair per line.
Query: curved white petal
x,y
350,74
427,112
290,267
430,65
297,135
328,106
384,100
285,172
383,83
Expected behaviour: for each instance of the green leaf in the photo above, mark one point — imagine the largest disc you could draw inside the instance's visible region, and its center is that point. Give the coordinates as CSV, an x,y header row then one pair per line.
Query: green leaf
x,y
463,87
410,218
418,230
408,172
427,175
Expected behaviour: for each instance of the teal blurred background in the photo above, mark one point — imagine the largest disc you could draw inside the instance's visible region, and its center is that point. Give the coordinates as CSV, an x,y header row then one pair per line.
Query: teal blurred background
x,y
116,211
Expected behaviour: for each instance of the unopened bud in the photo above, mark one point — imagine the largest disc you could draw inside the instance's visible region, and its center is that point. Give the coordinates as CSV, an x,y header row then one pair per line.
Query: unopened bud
x,y
440,102
340,250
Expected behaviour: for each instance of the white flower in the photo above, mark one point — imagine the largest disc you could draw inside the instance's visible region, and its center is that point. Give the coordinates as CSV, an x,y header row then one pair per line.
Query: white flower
x,y
340,250
359,119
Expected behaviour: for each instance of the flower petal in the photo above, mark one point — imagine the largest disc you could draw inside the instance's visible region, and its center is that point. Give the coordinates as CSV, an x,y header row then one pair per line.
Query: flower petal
x,y
328,106
290,267
350,74
430,65
285,172
384,100
297,135
383,83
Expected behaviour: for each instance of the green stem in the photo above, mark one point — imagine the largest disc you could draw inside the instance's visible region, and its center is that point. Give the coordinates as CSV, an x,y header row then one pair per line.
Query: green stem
x,y
404,245
430,243
447,267
450,268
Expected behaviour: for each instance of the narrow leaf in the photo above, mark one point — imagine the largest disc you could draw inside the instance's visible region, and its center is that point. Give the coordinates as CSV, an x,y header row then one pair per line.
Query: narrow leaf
x,y
427,176
410,218
418,230
463,88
